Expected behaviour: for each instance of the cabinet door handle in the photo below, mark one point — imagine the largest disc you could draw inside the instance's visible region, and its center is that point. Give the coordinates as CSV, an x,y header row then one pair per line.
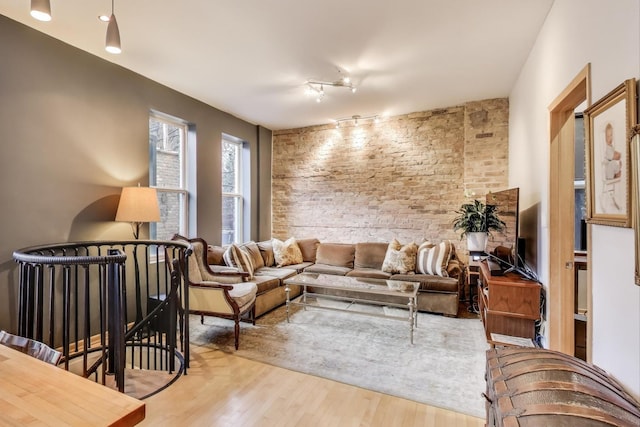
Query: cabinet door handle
x,y
568,265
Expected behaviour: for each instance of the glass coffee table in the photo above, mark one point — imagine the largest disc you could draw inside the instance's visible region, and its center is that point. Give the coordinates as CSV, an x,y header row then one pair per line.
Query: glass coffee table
x,y
357,290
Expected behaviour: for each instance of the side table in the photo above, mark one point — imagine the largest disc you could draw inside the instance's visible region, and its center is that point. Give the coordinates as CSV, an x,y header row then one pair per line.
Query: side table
x,y
473,274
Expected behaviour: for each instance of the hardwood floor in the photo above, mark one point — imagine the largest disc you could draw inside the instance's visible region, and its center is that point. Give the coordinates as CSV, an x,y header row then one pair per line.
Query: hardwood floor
x,y
225,390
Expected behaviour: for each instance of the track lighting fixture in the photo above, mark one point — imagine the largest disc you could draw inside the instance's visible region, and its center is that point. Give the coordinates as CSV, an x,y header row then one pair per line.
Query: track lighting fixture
x,y
113,33
316,87
41,10
357,119
317,92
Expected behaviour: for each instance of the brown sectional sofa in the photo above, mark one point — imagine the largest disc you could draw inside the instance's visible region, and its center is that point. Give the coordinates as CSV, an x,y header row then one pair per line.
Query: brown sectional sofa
x,y
268,277
437,294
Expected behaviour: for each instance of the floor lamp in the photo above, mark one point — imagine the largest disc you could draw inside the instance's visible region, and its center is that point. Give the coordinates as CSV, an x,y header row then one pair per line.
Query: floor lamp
x,y
137,206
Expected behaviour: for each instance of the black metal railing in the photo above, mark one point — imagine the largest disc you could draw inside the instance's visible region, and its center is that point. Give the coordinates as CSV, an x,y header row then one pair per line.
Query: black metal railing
x,y
108,306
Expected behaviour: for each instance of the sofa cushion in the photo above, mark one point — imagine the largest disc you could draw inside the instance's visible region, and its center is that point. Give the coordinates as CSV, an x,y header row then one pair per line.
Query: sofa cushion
x,y
266,250
309,249
336,254
243,293
252,249
277,272
434,259
400,259
287,252
236,257
370,255
265,283
215,255
371,273
221,269
299,268
429,282
327,269
455,268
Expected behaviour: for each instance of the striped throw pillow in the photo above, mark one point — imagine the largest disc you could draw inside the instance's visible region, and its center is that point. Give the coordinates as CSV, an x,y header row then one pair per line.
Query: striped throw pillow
x,y
236,257
433,259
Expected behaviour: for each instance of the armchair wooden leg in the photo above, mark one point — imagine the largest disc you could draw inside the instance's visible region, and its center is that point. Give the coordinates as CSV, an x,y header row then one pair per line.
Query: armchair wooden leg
x,y
202,319
253,315
237,330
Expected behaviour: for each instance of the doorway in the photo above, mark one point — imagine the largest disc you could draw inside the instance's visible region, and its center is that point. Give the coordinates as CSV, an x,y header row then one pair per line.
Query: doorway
x,y
562,267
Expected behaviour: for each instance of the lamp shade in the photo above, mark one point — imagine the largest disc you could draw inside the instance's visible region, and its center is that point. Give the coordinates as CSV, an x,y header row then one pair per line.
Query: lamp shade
x,y
138,204
41,10
113,36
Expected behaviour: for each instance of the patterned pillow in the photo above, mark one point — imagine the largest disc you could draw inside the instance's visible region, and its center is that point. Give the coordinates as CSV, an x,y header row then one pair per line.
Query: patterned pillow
x,y
400,259
287,252
236,257
434,259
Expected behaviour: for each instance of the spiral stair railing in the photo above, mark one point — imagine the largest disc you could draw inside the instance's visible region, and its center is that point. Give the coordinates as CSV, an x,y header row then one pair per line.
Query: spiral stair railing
x,y
110,307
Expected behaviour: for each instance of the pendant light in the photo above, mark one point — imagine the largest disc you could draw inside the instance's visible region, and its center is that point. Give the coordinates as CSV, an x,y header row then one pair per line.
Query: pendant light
x,y
41,10
113,34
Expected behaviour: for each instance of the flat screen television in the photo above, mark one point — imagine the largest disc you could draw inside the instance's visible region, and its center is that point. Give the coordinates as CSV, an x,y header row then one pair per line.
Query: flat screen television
x,y
508,210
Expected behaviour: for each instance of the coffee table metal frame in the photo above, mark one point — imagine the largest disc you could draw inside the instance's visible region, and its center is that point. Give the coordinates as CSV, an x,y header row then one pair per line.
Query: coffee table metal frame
x,y
368,288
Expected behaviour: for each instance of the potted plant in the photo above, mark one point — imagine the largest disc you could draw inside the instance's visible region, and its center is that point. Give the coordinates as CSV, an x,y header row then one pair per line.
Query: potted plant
x,y
477,220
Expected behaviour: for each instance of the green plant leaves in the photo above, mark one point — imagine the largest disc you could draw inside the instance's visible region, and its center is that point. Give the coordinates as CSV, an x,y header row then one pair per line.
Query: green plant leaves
x,y
477,217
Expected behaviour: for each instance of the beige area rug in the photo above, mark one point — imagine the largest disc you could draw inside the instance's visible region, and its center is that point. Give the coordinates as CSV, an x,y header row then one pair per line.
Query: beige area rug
x,y
444,368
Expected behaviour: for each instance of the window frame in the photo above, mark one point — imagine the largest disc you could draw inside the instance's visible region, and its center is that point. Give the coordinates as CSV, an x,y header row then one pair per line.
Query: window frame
x,y
238,194
182,191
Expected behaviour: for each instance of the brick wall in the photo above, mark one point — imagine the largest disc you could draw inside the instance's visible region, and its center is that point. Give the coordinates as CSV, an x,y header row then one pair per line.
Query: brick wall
x,y
486,156
168,162
402,177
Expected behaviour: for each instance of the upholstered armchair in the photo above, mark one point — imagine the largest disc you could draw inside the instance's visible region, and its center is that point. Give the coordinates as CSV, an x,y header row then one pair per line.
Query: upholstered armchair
x,y
224,295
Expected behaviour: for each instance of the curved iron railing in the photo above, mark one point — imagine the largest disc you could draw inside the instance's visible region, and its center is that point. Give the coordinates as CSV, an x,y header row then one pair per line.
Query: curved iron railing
x,y
108,306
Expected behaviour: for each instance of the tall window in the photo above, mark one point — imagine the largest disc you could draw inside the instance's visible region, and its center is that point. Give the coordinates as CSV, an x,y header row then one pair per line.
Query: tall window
x,y
232,190
167,173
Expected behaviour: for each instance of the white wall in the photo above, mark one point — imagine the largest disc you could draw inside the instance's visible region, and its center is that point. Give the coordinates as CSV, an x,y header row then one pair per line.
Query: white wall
x,y
607,35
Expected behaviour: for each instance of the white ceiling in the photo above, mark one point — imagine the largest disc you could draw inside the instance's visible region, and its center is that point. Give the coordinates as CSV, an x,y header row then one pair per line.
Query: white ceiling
x,y
251,58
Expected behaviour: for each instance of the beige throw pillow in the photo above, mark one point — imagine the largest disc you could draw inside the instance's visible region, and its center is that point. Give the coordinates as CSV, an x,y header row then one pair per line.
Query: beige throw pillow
x,y
287,252
266,250
434,259
215,255
400,259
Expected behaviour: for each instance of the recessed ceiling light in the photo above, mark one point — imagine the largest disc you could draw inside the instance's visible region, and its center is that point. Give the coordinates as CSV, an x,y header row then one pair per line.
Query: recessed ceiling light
x,y
104,18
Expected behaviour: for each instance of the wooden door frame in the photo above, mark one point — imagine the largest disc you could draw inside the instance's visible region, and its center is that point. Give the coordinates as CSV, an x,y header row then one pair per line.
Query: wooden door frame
x,y
560,289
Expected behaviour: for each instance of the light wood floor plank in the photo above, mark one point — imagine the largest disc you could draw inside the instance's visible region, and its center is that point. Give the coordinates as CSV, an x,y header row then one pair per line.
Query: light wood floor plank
x,y
226,390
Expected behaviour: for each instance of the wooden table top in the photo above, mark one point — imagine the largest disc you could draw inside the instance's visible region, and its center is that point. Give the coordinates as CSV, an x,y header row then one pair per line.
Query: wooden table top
x,y
33,392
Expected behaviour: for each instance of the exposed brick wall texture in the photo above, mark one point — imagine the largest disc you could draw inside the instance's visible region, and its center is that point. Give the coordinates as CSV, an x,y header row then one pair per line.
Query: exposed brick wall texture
x,y
401,178
168,164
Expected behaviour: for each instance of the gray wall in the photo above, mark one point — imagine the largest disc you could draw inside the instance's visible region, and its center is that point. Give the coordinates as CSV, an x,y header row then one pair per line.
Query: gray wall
x,y
75,130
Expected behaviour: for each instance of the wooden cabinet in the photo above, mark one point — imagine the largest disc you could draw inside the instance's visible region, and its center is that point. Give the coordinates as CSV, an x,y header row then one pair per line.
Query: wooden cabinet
x,y
509,305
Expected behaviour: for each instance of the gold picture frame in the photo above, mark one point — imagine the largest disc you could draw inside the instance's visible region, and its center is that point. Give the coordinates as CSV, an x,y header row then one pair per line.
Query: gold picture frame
x,y
608,124
634,147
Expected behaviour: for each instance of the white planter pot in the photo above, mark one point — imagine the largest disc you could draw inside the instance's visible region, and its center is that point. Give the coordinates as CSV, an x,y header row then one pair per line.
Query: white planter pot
x,y
477,242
